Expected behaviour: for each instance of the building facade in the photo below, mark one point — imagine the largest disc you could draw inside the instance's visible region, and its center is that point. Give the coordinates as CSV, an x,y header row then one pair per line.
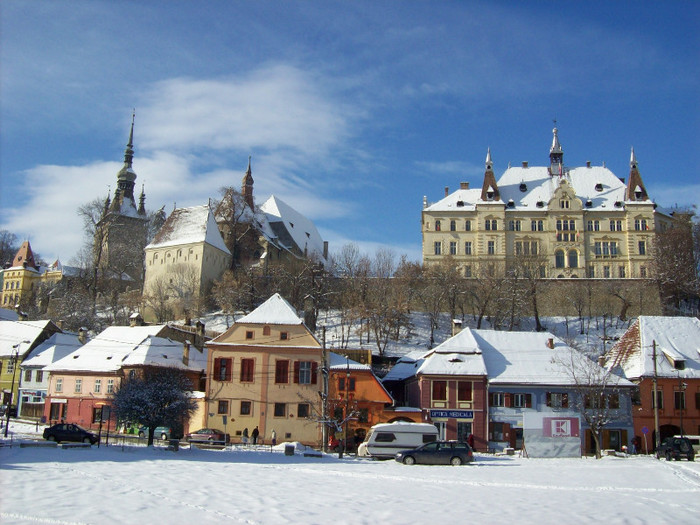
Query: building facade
x,y
555,220
265,372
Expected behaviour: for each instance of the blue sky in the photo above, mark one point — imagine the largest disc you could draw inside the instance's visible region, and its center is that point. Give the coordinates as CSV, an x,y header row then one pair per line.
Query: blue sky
x,y
352,111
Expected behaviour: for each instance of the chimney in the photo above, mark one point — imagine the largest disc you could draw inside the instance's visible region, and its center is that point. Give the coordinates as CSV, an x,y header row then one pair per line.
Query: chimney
x,y
200,328
447,191
588,163
524,164
325,250
463,185
135,319
456,326
186,353
550,343
82,335
59,323
601,360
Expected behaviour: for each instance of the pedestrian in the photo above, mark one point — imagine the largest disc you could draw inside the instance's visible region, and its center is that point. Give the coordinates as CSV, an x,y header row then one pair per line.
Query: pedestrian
x,y
470,440
255,435
244,437
274,438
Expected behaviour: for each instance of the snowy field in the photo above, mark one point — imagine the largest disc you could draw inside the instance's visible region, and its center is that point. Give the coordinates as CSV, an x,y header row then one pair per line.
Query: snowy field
x,y
142,485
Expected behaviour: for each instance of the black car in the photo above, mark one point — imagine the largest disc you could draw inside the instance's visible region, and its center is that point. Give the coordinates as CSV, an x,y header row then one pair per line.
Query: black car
x,y
437,453
69,432
676,448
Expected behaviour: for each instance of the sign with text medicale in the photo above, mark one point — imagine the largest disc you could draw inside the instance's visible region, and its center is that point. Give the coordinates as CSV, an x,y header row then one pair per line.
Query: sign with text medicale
x,y
552,435
451,414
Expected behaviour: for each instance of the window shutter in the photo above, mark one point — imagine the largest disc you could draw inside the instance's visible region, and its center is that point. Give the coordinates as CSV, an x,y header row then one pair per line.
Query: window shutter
x,y
549,399
314,372
491,400
508,400
565,400
296,371
217,368
528,400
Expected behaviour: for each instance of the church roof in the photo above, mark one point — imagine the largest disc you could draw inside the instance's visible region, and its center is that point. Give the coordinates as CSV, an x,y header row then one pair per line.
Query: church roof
x,y
189,226
289,229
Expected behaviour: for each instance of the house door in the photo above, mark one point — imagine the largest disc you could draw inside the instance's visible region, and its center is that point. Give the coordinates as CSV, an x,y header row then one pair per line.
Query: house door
x,y
518,438
614,437
463,431
442,429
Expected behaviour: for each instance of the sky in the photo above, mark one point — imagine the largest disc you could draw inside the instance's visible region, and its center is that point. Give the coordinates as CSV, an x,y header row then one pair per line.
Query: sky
x,y
352,112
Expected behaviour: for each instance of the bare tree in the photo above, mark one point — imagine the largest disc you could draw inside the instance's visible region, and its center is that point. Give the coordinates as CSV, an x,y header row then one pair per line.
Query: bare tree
x,y
238,227
9,245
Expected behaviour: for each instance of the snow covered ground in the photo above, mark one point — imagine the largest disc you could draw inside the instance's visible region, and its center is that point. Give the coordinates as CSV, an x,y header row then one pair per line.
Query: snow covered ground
x,y
131,484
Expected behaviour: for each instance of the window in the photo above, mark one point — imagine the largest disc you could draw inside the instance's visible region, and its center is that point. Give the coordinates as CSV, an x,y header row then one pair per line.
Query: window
x,y
246,408
222,368
573,259
614,401
222,408
642,247
28,375
437,247
537,225
39,376
564,204
557,400
385,437
559,259
514,225
303,410
640,224
78,386
593,226
453,248
363,416
96,414
10,365
491,225
468,226
615,225
606,272
522,400
266,330
280,409
350,385
247,370
305,372
110,386
453,225
468,248
59,384
659,399
284,336
642,272
282,371
464,391
491,247
467,271
440,390
498,399
98,386
249,334
606,248
621,272
438,226
679,400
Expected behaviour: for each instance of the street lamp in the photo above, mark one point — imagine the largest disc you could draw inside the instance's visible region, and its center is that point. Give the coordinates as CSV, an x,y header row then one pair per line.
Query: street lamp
x,y
14,358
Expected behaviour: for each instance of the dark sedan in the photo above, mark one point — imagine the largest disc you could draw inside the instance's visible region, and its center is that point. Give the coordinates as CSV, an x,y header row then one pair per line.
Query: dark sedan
x,y
437,453
69,432
208,435
676,448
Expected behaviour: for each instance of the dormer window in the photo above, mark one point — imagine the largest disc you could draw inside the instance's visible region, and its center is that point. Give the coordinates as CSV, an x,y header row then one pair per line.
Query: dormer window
x,y
460,204
511,204
489,194
540,204
523,187
599,187
589,203
638,193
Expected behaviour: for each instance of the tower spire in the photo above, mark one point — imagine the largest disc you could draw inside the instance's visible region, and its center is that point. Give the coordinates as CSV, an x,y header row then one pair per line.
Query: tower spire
x,y
635,187
126,176
247,187
489,189
556,154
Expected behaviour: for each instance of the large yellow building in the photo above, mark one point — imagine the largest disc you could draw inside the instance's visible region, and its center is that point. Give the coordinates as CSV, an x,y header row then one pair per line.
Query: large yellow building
x,y
572,222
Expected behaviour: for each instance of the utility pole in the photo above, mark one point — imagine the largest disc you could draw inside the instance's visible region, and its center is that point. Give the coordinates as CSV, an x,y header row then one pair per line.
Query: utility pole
x,y
324,395
657,438
347,406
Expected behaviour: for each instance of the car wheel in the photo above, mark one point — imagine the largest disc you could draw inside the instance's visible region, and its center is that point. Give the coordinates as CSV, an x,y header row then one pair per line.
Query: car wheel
x,y
87,440
51,438
164,436
691,457
456,461
409,460
668,456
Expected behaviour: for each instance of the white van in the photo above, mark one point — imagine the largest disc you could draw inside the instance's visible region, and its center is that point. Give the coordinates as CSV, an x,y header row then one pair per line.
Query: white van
x,y
386,439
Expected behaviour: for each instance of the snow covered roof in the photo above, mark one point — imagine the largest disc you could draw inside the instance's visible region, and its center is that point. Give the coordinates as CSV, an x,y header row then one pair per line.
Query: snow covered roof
x,y
189,226
340,362
159,351
677,342
531,189
276,310
16,332
54,348
105,352
405,367
8,315
285,226
459,355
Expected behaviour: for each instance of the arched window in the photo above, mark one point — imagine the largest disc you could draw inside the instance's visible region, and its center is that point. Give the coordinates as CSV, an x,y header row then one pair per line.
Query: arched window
x,y
559,258
573,259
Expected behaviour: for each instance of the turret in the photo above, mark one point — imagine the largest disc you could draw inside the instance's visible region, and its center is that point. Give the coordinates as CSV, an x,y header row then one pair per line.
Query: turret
x,y
635,187
247,187
489,189
556,156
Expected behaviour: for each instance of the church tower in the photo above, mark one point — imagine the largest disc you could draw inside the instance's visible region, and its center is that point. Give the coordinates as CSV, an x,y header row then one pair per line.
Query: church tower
x,y
247,187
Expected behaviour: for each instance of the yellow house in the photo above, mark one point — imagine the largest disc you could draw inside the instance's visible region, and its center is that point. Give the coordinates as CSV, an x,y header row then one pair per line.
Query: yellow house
x,y
264,372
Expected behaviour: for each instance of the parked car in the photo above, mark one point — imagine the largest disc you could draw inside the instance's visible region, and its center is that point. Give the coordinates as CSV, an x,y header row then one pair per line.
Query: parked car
x,y
69,432
676,448
437,453
163,433
694,441
210,435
